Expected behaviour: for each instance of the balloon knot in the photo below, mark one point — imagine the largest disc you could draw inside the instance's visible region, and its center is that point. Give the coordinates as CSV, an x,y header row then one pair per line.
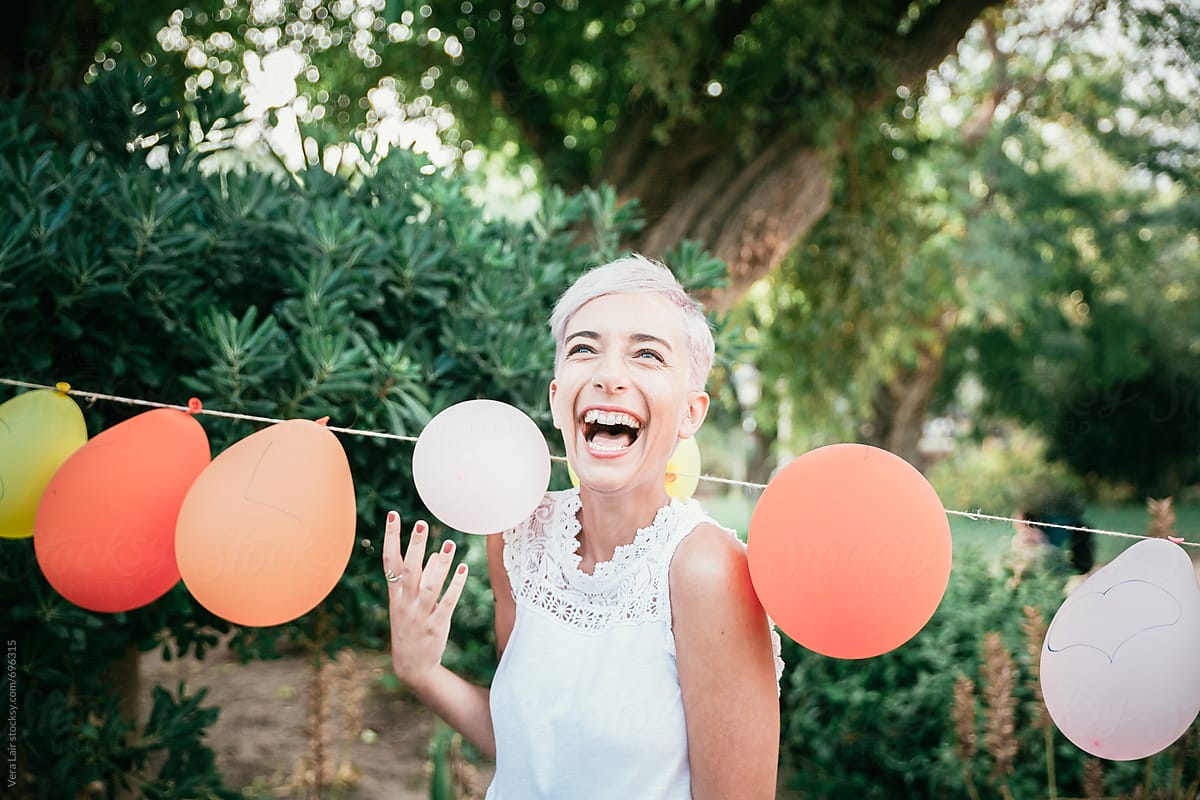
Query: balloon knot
x,y
63,387
194,405
1175,539
322,421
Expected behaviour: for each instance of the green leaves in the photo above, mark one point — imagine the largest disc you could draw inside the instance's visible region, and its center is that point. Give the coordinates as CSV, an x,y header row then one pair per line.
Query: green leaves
x,y
374,301
244,356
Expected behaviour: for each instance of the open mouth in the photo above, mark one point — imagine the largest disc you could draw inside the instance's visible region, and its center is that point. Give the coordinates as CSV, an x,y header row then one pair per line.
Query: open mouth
x,y
610,431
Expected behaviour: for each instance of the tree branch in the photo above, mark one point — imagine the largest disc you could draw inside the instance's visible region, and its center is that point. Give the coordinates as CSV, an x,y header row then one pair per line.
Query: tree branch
x,y
528,107
980,122
933,37
733,18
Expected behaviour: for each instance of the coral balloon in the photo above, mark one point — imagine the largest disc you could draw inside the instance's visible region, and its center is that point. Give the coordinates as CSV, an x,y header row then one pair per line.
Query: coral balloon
x,y
849,550
683,470
105,529
481,466
267,529
1121,657
39,430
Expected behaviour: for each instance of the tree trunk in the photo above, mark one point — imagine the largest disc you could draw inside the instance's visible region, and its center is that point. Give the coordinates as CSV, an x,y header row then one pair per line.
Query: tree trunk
x,y
901,406
750,214
125,677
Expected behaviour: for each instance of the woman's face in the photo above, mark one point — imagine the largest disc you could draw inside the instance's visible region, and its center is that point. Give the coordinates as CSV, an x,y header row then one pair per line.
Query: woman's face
x,y
620,395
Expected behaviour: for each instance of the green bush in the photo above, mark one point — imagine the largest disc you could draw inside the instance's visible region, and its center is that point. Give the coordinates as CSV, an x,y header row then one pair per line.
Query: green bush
x,y
883,727
376,301
1003,473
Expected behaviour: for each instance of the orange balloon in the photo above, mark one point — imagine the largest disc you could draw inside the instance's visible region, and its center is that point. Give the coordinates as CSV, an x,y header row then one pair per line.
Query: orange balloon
x,y
267,529
849,550
104,531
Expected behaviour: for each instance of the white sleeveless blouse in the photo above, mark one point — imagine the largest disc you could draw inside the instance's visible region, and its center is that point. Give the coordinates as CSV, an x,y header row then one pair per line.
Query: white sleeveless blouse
x,y
586,700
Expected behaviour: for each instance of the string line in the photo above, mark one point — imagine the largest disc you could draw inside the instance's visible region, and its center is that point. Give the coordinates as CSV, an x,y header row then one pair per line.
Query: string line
x,y
971,515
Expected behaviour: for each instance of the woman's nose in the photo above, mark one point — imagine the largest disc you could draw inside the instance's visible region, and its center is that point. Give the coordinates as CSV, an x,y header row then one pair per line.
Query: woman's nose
x,y
608,378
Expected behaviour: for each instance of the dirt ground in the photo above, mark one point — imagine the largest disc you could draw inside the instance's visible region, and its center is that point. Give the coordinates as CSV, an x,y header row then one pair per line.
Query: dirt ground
x,y
261,735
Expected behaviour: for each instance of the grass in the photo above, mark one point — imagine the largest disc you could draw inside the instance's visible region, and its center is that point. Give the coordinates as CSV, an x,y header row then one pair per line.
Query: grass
x,y
993,538
990,539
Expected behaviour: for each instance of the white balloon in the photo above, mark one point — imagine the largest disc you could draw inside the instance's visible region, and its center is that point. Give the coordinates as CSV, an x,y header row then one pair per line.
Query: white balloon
x,y
1120,665
481,466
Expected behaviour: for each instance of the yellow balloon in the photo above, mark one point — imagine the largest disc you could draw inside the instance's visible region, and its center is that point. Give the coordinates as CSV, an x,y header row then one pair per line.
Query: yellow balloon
x,y
39,430
683,470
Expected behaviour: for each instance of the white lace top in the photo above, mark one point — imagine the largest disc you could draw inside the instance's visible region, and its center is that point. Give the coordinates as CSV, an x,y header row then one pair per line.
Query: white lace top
x,y
586,700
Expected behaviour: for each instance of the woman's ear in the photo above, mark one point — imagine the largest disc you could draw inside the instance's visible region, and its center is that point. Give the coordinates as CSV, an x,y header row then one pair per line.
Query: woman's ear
x,y
697,410
553,410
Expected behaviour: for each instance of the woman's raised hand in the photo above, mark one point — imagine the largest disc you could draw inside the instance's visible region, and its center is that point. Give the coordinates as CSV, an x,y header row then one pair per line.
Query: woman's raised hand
x,y
420,619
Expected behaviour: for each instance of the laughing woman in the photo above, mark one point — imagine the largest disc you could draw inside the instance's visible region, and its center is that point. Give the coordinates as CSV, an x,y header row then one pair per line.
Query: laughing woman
x,y
635,658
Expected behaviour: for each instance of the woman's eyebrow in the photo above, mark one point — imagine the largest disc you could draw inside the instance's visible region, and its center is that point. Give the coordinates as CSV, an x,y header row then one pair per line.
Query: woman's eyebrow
x,y
635,337
584,334
649,337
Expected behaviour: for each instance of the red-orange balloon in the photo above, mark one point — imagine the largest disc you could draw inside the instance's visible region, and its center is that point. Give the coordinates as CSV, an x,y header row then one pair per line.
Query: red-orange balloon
x,y
849,549
267,529
104,531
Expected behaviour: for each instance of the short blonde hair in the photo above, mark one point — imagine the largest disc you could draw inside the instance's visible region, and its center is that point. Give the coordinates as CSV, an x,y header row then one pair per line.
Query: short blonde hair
x,y
637,274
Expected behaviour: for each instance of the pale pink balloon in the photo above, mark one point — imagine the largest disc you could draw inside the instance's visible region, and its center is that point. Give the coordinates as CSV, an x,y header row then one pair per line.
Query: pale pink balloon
x,y
1121,656
481,466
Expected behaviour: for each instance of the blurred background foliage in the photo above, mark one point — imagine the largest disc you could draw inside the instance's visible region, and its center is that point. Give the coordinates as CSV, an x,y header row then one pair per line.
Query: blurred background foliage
x,y
376,302
1024,264
965,232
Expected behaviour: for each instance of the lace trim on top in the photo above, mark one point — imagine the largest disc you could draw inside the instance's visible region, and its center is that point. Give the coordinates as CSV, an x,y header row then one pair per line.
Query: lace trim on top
x,y
542,559
542,556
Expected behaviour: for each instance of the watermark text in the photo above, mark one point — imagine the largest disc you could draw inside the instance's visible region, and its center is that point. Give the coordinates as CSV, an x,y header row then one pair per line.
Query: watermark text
x,y
10,726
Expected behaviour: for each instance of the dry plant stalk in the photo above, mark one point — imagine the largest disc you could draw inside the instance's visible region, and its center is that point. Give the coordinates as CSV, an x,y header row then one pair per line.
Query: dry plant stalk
x,y
1187,748
352,691
1034,628
314,769
468,784
966,740
1162,517
963,714
333,722
1093,779
999,708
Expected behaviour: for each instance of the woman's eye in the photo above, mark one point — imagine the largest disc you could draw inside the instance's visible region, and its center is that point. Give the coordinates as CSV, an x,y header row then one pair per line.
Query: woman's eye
x,y
580,348
650,354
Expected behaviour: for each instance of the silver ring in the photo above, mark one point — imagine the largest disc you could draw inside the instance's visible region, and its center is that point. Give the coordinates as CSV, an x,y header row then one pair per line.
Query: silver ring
x,y
391,576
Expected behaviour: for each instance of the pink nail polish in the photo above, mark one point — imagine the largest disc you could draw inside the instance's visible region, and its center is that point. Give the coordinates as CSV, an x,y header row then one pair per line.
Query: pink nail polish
x,y
392,516
462,569
448,548
421,527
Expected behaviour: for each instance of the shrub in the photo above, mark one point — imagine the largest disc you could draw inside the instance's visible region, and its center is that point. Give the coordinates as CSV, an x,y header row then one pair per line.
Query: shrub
x,y
376,301
1004,472
885,727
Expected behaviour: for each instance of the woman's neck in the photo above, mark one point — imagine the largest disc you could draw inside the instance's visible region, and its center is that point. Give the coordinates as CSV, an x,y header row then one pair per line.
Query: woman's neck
x,y
607,521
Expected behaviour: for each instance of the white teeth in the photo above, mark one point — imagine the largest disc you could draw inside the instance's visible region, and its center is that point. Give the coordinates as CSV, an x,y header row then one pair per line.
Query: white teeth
x,y
610,418
616,448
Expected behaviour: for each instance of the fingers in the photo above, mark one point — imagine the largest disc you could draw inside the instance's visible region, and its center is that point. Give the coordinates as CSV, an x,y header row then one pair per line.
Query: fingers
x,y
450,598
393,560
434,576
410,577
414,556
